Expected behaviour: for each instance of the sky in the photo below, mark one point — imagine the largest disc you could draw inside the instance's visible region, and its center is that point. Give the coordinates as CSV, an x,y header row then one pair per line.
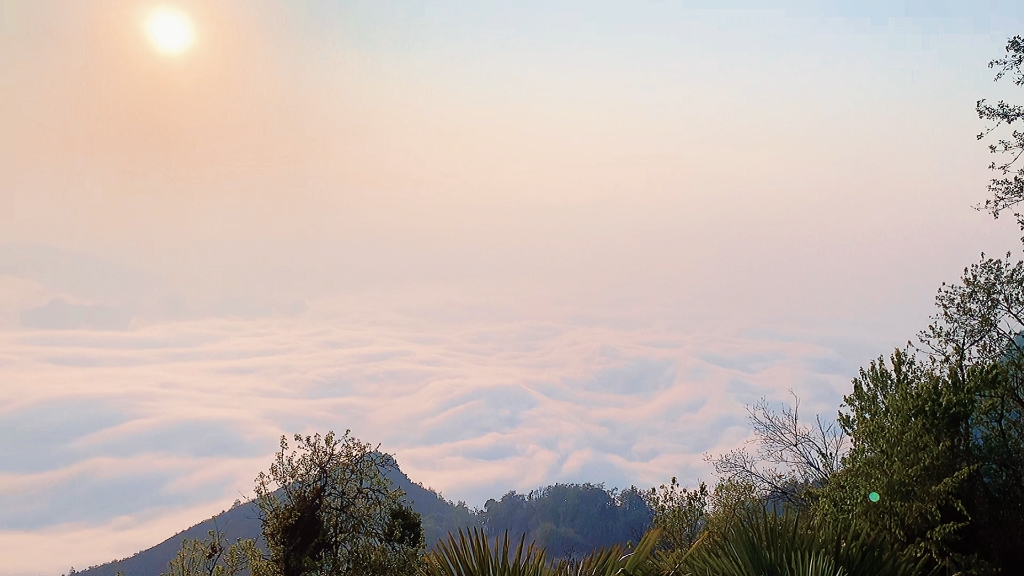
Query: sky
x,y
512,243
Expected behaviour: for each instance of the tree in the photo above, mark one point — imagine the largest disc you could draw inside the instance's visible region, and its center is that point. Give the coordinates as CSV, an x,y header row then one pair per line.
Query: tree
x,y
1007,189
328,510
912,449
214,557
978,335
792,460
981,318
680,514
940,439
569,519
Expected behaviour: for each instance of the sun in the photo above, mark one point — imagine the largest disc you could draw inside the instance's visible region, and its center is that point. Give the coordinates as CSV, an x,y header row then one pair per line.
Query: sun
x,y
170,30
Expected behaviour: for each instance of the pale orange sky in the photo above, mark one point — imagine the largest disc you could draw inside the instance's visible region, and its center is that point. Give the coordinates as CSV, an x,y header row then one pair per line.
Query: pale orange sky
x,y
264,146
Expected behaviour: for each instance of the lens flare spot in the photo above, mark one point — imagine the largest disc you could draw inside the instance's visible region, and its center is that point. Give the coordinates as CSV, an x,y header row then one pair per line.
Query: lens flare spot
x,y
170,30
874,497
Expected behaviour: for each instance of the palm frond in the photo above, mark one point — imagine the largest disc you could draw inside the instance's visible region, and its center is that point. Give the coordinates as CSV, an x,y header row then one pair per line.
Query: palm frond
x,y
766,543
471,554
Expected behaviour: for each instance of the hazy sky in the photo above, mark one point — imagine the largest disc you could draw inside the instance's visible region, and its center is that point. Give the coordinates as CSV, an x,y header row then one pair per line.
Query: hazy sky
x,y
515,243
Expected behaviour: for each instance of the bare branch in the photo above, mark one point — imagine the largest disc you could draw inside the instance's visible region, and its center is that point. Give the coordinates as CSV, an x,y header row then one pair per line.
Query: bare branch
x,y
790,459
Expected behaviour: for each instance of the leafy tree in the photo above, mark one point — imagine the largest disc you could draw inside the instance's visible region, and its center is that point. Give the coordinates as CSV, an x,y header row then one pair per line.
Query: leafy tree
x,y
729,503
939,438
981,318
978,335
569,519
687,518
680,514
510,514
214,557
1008,188
912,448
327,509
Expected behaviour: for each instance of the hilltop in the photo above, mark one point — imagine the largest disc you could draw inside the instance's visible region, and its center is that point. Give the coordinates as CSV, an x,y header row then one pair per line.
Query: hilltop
x,y
567,519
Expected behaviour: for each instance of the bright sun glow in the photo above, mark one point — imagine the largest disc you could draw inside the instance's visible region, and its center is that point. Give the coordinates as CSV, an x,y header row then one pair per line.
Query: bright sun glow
x,y
170,30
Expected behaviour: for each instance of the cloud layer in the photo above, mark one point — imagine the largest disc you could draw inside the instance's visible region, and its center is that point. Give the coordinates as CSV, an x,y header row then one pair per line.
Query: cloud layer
x,y
119,436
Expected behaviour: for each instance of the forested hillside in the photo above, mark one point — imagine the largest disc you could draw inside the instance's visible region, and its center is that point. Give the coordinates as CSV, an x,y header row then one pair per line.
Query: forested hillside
x,y
569,520
439,517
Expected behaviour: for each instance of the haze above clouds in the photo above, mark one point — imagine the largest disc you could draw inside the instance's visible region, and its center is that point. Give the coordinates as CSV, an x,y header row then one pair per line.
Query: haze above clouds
x,y
514,244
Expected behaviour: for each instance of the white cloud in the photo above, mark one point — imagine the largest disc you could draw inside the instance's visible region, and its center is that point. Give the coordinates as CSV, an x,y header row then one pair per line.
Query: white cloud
x,y
108,430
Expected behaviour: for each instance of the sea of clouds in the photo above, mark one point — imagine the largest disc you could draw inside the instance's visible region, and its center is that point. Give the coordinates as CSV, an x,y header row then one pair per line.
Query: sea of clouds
x,y
115,439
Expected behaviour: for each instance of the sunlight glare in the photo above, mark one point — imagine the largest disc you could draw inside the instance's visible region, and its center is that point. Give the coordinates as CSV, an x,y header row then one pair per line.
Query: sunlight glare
x,y
169,30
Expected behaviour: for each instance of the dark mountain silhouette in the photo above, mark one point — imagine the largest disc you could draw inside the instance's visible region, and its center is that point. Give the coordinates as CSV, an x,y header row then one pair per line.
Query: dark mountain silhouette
x,y
569,520
242,521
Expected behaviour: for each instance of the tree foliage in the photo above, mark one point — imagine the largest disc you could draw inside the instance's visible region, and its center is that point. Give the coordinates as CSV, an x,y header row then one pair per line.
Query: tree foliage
x,y
910,426
679,514
328,510
1007,188
979,319
569,519
940,438
215,557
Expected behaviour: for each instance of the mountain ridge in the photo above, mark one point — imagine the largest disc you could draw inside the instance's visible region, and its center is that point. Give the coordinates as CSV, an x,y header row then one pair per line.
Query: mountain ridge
x,y
565,519
242,521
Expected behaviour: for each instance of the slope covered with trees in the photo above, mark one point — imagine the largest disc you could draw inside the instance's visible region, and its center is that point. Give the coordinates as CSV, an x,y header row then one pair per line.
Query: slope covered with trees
x,y
569,520
241,522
